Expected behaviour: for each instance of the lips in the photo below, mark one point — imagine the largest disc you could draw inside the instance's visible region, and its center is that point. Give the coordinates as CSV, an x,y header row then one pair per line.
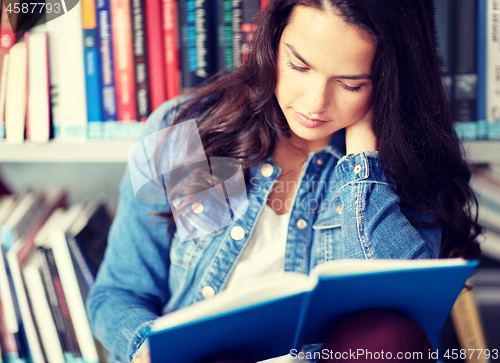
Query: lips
x,y
308,122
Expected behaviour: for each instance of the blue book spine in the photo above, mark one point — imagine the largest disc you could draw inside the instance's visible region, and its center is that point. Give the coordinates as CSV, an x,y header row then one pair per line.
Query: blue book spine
x,y
92,80
481,68
106,61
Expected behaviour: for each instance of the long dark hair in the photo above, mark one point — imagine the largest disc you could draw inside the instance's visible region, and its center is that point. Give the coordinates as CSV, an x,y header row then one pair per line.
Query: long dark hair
x,y
239,117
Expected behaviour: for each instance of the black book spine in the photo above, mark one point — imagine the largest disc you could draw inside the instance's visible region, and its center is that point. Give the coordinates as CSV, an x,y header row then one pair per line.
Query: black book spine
x,y
140,59
465,72
250,10
69,336
444,31
50,291
198,59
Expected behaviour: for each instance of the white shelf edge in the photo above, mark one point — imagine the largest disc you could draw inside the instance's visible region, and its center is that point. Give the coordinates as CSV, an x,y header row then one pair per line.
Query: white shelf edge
x,y
116,151
90,151
483,151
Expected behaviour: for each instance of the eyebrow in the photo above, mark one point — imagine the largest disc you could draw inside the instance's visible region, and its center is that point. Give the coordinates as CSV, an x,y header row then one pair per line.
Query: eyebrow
x,y
352,77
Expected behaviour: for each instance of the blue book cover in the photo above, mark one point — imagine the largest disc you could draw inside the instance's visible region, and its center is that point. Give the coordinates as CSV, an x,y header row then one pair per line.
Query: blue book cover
x,y
278,314
92,76
481,69
107,74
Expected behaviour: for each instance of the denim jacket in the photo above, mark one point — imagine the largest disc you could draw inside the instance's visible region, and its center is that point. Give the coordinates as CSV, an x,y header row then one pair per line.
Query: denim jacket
x,y
146,273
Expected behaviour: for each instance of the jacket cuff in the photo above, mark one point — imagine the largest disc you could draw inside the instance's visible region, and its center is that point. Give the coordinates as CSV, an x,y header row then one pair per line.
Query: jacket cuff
x,y
139,341
362,167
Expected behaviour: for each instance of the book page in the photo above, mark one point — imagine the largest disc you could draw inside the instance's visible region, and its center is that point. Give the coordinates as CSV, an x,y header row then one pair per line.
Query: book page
x,y
259,291
358,267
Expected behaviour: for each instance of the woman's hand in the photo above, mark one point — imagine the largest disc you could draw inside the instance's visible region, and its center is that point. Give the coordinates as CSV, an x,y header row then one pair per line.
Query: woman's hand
x,y
359,136
143,358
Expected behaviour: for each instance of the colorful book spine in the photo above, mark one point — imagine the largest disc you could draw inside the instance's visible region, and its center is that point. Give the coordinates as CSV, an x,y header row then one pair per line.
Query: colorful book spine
x,y
197,46
155,53
482,65
225,51
57,303
492,70
92,68
250,11
107,68
71,342
123,61
8,38
72,94
138,11
171,36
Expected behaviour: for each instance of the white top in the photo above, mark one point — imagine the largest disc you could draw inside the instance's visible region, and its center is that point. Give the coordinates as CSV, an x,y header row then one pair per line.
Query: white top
x,y
264,255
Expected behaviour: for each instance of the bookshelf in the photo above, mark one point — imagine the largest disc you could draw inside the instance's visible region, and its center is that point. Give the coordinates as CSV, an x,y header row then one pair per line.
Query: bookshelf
x,y
91,151
116,151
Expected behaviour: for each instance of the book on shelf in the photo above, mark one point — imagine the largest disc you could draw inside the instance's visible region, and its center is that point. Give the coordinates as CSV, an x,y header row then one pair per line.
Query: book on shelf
x,y
468,326
198,47
87,241
42,311
171,48
278,314
489,56
100,56
464,37
38,94
9,38
123,60
155,53
106,61
15,100
92,68
138,20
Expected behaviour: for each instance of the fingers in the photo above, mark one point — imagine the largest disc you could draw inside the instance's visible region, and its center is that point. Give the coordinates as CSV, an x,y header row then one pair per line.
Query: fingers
x,y
143,358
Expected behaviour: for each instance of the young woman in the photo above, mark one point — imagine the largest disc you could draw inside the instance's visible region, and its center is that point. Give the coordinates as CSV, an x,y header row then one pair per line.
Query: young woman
x,y
342,128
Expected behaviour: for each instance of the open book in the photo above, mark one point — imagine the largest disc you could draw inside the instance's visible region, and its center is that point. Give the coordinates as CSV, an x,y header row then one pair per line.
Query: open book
x,y
269,317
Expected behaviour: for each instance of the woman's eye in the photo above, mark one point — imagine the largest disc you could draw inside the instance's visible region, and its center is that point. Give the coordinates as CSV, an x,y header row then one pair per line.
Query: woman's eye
x,y
349,88
296,68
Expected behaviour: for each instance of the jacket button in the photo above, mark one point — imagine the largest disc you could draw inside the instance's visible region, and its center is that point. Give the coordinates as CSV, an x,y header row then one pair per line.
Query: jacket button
x,y
266,170
357,169
197,208
339,209
319,162
208,292
237,233
301,224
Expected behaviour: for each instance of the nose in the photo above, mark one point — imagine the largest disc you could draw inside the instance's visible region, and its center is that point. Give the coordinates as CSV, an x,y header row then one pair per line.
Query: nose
x,y
318,97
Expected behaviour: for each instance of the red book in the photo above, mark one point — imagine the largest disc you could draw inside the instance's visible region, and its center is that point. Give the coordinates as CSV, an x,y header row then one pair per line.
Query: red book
x,y
263,4
156,55
123,60
170,35
7,39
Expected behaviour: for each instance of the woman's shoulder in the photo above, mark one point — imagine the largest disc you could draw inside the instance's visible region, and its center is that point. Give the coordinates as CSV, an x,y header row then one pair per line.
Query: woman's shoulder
x,y
165,114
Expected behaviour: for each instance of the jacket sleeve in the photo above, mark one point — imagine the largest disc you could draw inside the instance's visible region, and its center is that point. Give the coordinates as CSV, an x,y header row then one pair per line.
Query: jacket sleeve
x,y
372,220
131,286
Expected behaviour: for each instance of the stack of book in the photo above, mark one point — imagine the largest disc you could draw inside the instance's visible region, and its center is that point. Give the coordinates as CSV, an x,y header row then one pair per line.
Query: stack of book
x,y
97,68
48,261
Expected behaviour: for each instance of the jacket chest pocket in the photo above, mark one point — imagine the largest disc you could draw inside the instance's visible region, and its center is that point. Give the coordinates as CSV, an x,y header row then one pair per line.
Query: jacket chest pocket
x,y
183,253
329,238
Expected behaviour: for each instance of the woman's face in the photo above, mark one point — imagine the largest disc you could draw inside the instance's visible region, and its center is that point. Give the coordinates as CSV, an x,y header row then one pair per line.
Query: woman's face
x,y
324,75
